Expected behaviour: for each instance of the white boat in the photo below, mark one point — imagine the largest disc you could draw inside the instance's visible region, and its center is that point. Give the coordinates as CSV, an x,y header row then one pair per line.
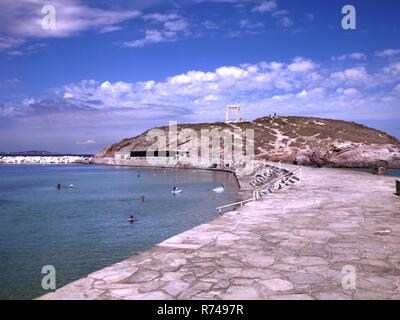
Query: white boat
x,y
176,191
219,189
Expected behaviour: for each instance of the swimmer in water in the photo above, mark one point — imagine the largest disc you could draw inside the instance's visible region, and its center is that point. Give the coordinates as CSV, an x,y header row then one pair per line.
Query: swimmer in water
x,y
142,199
221,188
131,219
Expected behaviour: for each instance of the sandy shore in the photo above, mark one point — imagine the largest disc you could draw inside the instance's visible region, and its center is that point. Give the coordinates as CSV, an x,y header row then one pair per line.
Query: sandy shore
x,y
296,243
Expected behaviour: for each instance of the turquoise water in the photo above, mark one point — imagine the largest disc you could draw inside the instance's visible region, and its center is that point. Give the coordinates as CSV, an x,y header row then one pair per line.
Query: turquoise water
x,y
86,228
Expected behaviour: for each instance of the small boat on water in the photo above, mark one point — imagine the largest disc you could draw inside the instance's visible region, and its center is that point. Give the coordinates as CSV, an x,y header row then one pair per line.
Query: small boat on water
x,y
176,191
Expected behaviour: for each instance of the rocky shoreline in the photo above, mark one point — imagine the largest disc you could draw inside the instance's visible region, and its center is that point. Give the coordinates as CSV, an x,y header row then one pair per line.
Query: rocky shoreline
x,y
292,140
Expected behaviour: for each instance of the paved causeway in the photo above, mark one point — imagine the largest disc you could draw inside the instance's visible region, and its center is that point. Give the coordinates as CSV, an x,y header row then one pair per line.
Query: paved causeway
x,y
291,245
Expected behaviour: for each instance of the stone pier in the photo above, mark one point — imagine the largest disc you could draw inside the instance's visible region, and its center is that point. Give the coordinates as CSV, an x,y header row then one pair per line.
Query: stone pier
x,y
296,243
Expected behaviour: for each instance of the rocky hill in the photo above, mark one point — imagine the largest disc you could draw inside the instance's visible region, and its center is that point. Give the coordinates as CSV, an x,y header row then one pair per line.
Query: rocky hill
x,y
300,140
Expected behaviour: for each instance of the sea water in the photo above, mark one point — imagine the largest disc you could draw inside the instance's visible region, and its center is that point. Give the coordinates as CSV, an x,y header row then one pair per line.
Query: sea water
x,y
394,173
391,172
82,229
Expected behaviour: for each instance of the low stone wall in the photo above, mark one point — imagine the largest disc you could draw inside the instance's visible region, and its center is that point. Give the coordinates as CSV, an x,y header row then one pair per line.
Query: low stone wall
x,y
159,163
134,162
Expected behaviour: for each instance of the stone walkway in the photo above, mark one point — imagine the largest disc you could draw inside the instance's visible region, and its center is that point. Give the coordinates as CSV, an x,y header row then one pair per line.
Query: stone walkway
x,y
291,245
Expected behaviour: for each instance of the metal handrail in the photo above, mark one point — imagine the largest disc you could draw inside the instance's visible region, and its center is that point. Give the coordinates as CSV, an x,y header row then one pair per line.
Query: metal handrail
x,y
241,203
256,191
276,179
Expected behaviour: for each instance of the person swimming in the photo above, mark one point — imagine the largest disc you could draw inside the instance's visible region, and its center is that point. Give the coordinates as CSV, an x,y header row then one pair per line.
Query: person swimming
x,y
142,199
131,219
175,190
220,189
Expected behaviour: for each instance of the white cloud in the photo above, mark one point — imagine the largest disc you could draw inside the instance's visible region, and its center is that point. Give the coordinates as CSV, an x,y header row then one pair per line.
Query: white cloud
x,y
300,86
275,65
388,53
358,56
353,56
118,87
28,101
303,93
7,42
235,72
192,77
151,36
301,65
108,29
211,98
206,100
86,142
350,92
247,24
286,22
173,26
282,16
357,75
176,25
393,68
280,13
15,53
210,25
22,20
266,6
159,17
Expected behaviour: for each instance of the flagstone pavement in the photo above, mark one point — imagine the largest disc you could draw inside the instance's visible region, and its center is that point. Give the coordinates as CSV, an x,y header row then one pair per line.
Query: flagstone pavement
x,y
297,243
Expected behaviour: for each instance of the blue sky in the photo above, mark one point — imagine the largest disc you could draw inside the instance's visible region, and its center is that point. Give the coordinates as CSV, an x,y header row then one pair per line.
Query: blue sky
x,y
112,69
